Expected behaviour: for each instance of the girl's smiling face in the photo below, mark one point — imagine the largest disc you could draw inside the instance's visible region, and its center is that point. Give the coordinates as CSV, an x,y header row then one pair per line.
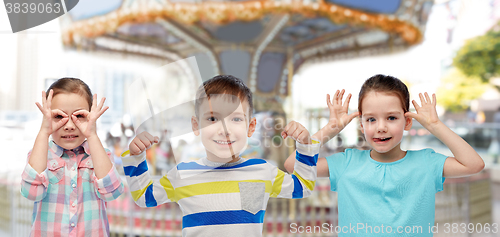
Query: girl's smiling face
x,y
68,136
383,123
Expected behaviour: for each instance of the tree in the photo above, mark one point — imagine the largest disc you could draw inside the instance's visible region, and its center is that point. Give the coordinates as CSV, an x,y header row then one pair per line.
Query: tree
x,y
457,90
480,56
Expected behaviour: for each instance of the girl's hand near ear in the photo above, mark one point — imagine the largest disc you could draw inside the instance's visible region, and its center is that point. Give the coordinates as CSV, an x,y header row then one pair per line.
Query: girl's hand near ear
x,y
339,117
53,119
86,121
426,114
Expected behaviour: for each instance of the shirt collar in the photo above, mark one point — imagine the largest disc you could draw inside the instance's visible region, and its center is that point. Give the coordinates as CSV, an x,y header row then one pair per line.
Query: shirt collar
x,y
59,150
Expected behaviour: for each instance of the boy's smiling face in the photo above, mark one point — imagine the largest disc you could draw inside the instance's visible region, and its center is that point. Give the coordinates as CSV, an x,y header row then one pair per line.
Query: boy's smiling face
x,y
225,125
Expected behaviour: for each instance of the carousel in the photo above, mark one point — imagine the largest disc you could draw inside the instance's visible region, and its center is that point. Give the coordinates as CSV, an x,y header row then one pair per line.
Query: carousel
x,y
263,42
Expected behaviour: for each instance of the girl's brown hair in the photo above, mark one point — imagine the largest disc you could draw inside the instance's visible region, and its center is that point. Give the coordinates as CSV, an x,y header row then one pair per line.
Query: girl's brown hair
x,y
385,84
71,85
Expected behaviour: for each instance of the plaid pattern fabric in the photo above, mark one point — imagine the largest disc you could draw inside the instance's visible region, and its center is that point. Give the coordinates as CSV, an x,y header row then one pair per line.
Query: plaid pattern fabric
x,y
69,199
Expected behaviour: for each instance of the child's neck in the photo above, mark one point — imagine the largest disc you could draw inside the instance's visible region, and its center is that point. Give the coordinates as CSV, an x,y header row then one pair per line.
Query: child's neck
x,y
390,156
234,158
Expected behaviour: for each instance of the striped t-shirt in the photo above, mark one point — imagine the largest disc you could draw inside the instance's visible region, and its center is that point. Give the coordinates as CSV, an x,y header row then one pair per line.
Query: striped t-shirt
x,y
226,199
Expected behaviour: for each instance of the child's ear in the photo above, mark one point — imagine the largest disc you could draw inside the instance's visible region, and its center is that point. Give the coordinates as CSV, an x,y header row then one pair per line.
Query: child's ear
x,y
361,126
195,126
409,122
252,126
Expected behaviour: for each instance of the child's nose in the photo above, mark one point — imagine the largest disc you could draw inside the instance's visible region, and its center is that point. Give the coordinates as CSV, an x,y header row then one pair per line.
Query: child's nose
x,y
224,129
69,125
382,127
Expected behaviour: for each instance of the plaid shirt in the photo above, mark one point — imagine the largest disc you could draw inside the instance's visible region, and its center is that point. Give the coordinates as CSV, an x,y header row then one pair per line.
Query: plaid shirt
x,y
69,199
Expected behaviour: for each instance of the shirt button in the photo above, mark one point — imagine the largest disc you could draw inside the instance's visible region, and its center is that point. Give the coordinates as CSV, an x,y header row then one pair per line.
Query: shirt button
x,y
72,224
74,204
73,168
74,185
54,165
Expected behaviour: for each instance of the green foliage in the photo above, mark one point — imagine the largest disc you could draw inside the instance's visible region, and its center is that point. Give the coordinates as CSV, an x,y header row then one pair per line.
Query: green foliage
x,y
480,56
457,90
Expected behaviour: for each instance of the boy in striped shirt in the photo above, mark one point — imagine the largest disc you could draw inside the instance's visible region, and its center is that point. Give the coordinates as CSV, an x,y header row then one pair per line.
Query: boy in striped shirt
x,y
222,194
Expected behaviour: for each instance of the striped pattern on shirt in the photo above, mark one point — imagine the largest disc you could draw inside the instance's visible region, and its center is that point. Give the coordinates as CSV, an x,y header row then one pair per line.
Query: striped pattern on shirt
x,y
226,200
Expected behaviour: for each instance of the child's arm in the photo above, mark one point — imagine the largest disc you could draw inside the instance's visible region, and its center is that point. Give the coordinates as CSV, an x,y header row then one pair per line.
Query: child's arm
x,y
102,164
466,160
108,182
301,183
338,121
34,179
145,191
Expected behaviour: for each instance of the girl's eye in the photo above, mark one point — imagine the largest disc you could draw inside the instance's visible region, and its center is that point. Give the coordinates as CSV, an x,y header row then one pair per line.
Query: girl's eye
x,y
370,120
392,118
79,116
58,117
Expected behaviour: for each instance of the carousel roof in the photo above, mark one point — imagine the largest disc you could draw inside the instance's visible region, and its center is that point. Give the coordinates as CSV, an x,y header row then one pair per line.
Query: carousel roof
x,y
260,41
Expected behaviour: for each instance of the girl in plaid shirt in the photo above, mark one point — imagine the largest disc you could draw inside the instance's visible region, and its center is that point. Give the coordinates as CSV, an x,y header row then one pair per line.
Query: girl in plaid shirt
x,y
71,177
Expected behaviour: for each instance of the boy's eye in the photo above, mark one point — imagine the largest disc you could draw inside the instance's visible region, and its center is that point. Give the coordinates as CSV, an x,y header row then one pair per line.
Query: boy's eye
x,y
79,116
58,117
392,118
212,119
237,119
370,120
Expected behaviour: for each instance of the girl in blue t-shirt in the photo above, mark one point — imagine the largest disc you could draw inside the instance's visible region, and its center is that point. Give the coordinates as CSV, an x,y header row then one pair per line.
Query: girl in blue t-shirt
x,y
386,190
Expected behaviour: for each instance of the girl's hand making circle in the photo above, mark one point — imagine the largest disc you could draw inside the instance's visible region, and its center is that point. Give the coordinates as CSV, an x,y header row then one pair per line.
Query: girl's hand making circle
x,y
53,119
85,120
426,114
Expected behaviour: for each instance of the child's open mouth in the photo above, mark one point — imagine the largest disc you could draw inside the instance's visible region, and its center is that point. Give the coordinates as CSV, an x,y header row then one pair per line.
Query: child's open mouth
x,y
224,142
383,139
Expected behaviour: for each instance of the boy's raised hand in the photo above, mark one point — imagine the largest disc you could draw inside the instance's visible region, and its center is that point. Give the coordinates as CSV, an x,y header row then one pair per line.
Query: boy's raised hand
x,y
53,119
142,142
86,121
296,131
338,111
426,114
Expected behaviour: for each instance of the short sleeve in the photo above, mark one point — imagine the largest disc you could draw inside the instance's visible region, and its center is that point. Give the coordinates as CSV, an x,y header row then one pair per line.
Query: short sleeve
x,y
337,164
437,160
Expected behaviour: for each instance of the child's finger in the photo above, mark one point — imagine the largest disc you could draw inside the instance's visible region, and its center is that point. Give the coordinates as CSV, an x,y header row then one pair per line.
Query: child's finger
x,y
60,123
434,100
140,145
328,101
422,99
103,110
99,107
157,139
415,104
49,99
429,101
39,107
347,100
340,97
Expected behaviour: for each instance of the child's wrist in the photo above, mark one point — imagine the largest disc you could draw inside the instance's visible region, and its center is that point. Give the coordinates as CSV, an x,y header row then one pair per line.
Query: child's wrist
x,y
44,132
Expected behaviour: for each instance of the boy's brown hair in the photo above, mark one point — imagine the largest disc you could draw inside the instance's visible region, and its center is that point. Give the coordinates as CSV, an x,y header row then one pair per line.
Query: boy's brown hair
x,y
71,85
385,84
224,84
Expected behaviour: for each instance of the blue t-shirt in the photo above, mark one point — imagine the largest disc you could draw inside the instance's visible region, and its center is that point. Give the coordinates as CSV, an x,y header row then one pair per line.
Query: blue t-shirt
x,y
380,199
